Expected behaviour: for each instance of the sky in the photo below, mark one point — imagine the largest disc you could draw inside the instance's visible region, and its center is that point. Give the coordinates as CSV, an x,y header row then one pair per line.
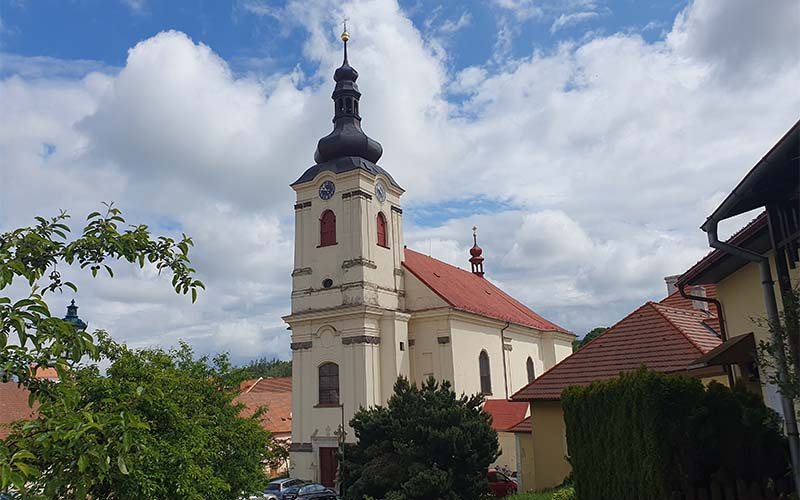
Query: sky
x,y
587,140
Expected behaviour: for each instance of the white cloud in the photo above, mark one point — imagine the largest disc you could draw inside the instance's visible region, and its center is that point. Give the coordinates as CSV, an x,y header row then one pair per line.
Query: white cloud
x,y
135,6
565,20
610,152
522,9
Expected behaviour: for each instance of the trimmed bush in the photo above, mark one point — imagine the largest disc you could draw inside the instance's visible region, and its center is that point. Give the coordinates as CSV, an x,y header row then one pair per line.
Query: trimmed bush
x,y
647,434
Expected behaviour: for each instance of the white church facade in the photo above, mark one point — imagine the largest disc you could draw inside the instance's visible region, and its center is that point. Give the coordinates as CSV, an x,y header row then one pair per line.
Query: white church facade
x,y
366,310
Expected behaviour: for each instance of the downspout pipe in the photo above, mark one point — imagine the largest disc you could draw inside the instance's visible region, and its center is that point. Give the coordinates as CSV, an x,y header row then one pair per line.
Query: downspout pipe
x,y
723,331
768,288
503,350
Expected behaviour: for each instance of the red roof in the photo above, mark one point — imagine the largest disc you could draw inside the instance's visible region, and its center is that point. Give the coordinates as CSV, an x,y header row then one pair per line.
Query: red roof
x,y
664,338
469,292
276,395
505,414
14,406
524,426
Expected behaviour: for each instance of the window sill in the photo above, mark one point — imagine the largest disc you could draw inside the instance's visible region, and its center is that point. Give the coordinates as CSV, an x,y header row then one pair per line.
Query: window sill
x,y
328,405
328,245
383,246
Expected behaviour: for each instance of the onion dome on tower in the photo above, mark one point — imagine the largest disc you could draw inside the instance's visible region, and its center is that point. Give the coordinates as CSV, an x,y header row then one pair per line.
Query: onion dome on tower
x,y
72,317
347,147
477,254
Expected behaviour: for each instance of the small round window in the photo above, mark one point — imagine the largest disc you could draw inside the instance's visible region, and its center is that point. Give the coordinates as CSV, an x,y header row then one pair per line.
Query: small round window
x,y
327,283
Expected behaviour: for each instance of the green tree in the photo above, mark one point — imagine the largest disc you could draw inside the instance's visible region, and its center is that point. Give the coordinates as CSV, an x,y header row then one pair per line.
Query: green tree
x,y
785,339
425,443
182,438
268,368
593,334
31,259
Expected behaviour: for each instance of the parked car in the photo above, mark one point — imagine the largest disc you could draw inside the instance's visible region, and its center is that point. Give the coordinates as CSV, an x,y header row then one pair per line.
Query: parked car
x,y
323,495
500,484
305,491
276,488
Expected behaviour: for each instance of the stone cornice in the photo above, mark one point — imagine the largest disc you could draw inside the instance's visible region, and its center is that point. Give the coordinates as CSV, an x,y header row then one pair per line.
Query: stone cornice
x,y
360,261
361,339
334,312
297,346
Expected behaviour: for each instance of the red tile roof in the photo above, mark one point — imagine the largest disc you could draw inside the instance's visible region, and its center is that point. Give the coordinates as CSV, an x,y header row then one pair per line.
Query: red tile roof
x,y
524,426
468,292
675,299
665,339
505,414
14,406
276,395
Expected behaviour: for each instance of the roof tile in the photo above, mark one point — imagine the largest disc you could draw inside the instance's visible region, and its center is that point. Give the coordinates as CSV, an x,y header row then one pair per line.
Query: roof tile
x,y
505,414
665,339
469,292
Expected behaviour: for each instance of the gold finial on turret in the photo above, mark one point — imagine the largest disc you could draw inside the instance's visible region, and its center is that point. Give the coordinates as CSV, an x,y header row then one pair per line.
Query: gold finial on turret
x,y
345,34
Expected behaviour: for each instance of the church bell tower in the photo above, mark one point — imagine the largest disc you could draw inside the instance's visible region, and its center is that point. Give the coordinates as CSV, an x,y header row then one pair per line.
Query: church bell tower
x,y
349,330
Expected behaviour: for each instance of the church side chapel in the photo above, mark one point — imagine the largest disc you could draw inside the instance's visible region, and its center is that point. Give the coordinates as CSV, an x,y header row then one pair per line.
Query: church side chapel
x,y
366,309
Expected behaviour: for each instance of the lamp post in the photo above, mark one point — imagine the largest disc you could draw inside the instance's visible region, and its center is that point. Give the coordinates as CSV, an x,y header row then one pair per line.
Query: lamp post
x,y
341,433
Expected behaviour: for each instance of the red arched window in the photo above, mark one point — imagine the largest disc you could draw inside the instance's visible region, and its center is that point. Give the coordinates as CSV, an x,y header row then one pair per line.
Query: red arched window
x,y
382,230
327,228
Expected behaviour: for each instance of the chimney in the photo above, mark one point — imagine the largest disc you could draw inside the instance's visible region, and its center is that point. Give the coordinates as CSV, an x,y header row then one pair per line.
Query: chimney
x,y
699,305
671,280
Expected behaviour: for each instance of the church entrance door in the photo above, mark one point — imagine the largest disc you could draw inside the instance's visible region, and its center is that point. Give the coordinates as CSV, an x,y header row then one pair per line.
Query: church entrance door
x,y
327,466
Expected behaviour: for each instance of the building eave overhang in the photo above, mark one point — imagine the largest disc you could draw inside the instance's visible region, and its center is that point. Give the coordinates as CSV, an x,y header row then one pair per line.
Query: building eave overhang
x,y
776,176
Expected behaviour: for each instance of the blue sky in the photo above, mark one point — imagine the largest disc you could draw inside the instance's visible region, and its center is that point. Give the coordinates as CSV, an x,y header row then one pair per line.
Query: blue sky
x,y
586,139
239,31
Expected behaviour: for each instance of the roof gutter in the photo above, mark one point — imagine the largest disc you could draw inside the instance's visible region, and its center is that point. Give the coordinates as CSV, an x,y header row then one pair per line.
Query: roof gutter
x,y
503,350
723,333
768,288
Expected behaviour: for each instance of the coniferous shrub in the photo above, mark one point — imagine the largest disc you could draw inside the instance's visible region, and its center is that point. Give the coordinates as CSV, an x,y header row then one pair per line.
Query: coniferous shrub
x,y
648,434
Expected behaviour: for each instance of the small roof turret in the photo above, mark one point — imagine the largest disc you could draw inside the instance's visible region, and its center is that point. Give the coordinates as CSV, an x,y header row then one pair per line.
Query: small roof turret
x,y
72,317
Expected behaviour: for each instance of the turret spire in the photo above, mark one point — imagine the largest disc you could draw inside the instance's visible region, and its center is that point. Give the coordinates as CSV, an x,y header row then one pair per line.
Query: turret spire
x,y
476,253
347,138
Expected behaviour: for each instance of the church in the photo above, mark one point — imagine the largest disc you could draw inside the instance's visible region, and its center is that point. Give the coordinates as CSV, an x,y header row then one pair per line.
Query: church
x,y
366,309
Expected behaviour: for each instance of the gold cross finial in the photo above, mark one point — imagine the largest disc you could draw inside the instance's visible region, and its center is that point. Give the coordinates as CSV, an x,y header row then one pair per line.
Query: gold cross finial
x,y
345,34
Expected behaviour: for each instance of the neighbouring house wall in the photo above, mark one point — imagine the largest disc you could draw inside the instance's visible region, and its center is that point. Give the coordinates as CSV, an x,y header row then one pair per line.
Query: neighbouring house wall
x,y
550,465
742,301
525,471
508,448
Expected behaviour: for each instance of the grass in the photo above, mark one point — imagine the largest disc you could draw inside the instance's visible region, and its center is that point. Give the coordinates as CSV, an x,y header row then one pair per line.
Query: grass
x,y
534,495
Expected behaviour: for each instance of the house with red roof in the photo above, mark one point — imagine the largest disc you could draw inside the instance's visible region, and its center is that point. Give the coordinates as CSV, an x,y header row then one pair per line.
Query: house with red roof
x,y
275,396
666,336
505,415
756,272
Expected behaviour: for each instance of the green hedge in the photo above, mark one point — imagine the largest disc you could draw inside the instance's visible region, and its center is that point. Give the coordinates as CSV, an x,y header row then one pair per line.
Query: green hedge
x,y
647,434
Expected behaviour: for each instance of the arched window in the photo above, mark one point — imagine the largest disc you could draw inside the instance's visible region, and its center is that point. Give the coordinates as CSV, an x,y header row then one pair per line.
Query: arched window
x,y
381,219
531,370
485,372
329,384
327,228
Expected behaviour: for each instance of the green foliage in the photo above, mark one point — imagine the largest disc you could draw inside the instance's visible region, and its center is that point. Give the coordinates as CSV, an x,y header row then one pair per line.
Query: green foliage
x,y
567,493
30,336
647,434
269,368
159,425
33,255
786,338
425,443
596,332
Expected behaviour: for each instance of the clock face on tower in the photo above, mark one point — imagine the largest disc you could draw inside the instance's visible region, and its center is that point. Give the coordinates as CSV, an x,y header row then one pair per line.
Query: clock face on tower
x,y
326,190
380,191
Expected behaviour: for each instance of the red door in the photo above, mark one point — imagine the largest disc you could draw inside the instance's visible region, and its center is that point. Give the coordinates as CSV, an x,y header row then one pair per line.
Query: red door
x,y
327,466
